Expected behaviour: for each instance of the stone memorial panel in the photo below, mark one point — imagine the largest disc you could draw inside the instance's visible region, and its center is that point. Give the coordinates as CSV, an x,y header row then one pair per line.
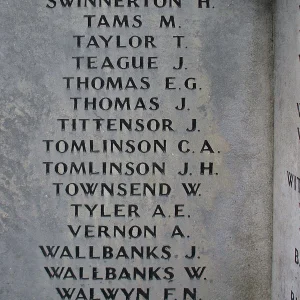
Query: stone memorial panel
x,y
137,149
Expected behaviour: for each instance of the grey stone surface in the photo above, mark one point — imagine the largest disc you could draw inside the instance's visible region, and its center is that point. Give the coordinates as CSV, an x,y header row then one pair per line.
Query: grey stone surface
x,y
230,55
286,196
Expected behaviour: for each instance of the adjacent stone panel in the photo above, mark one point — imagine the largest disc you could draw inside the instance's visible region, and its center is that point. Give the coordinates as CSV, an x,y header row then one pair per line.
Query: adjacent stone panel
x,y
286,168
136,149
